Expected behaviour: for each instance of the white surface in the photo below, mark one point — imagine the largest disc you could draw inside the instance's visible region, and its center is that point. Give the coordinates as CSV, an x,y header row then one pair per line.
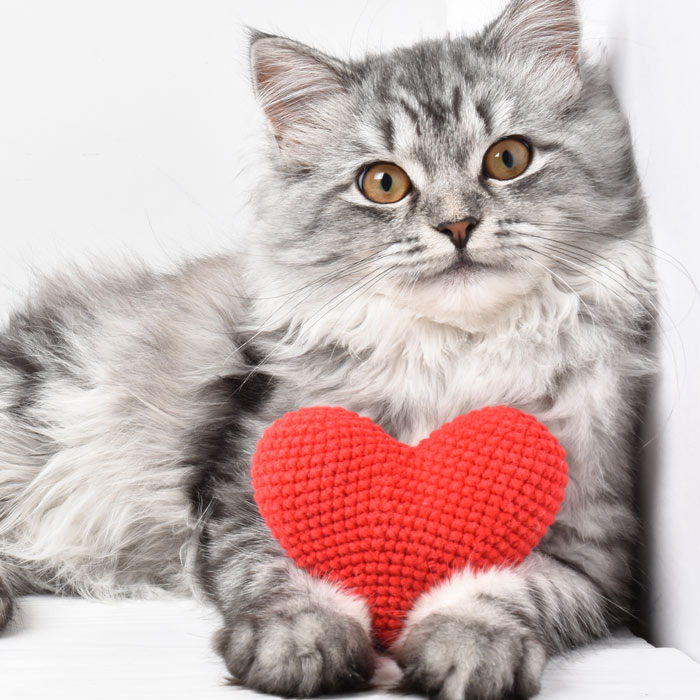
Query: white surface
x,y
129,128
71,649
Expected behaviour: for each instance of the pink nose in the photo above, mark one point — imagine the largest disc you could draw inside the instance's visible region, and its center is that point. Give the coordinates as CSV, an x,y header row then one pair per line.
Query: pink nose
x,y
459,231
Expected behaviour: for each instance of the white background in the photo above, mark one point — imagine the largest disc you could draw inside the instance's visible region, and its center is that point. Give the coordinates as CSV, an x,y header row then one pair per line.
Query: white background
x,y
128,129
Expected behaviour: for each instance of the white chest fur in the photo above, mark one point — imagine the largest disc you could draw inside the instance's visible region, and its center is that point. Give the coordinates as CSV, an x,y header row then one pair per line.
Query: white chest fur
x,y
412,374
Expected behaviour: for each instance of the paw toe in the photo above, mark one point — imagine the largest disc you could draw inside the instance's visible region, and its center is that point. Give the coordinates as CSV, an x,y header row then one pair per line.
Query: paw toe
x,y
298,655
458,659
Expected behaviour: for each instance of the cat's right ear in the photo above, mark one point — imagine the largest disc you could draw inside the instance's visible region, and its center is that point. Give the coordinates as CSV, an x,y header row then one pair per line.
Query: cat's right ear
x,y
301,91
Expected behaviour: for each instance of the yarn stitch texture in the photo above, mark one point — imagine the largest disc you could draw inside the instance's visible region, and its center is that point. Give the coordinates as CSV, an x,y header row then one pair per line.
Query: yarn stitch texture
x,y
349,503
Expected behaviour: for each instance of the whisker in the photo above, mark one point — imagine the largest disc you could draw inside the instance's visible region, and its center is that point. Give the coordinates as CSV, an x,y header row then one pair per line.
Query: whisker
x,y
560,279
328,275
654,308
369,283
560,248
657,252
582,252
658,309
343,296
648,314
311,288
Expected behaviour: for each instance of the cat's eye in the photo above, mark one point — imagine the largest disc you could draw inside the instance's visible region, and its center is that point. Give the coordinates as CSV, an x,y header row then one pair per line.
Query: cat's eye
x,y
507,159
384,183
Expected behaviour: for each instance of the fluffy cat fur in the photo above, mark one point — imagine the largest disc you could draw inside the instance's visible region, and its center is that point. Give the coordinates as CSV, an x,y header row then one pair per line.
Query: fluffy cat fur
x,y
131,402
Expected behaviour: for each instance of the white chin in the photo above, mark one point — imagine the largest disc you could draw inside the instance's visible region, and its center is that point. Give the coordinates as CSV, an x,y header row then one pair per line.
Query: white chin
x,y
472,301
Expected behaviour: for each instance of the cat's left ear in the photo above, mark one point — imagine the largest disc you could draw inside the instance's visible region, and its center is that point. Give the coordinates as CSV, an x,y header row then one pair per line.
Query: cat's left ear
x,y
301,91
549,28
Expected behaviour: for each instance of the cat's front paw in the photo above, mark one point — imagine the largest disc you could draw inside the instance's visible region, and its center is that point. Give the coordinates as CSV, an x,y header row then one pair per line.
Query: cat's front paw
x,y
458,658
298,654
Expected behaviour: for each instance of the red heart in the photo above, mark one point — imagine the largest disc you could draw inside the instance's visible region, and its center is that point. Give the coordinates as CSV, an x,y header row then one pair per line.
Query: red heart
x,y
348,502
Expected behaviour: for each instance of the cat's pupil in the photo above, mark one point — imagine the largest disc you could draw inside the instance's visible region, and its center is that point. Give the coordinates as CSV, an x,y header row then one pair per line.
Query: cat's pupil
x,y
386,182
508,159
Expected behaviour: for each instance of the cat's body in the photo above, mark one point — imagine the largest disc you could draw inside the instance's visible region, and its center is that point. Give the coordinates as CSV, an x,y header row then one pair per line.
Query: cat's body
x,y
130,403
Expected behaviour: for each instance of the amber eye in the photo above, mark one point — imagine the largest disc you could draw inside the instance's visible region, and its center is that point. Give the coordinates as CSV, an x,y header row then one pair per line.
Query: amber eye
x,y
507,159
384,183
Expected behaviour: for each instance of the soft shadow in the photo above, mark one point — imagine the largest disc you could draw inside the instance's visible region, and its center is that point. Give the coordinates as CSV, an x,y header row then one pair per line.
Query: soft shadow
x,y
648,460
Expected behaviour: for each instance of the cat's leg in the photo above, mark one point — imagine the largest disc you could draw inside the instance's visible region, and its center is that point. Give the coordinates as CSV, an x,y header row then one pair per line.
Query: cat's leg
x,y
485,635
284,632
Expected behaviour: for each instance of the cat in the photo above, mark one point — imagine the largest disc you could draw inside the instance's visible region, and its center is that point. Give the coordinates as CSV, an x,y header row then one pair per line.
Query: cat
x,y
443,227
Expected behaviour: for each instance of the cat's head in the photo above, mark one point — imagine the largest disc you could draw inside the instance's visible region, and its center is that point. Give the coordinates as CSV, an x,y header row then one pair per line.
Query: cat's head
x,y
456,176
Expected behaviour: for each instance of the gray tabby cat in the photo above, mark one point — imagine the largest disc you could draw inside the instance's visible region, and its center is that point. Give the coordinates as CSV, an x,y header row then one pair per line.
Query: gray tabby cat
x,y
444,227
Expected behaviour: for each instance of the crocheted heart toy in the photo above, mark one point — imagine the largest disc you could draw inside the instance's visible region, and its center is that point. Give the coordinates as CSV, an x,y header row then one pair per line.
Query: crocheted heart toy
x,y
348,502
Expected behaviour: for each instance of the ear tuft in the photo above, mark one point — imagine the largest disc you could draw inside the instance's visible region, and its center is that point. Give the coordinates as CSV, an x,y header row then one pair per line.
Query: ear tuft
x,y
547,27
300,90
